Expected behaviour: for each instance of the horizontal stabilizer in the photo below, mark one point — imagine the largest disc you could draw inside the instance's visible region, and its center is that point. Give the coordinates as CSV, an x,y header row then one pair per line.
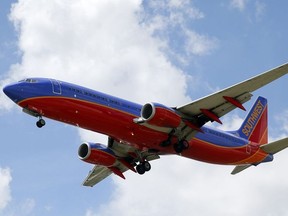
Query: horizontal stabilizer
x,y
274,147
240,168
270,148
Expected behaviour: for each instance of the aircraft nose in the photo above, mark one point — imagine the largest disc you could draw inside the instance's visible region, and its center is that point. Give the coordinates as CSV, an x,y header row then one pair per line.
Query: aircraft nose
x,y
12,91
8,90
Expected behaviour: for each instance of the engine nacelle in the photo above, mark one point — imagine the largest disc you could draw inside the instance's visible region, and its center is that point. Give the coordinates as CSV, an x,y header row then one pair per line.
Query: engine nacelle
x,y
160,115
96,153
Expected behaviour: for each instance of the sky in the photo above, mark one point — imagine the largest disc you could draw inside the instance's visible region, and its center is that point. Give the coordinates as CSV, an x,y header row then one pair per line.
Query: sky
x,y
170,51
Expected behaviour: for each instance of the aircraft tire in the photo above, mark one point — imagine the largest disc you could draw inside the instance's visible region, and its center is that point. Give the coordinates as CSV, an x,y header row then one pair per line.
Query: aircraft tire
x,y
140,169
180,146
40,123
147,166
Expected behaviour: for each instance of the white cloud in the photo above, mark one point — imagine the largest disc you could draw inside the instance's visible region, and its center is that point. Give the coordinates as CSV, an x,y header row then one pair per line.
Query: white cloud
x,y
5,193
197,44
282,127
81,42
170,21
260,9
176,186
239,4
91,136
230,122
27,206
23,208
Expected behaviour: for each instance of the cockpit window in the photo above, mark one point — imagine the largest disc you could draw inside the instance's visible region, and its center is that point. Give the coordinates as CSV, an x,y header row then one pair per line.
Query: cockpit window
x,y
29,80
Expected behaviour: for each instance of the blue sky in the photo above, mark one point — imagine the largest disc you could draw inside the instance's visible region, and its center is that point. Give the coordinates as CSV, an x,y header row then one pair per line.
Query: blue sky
x,y
172,52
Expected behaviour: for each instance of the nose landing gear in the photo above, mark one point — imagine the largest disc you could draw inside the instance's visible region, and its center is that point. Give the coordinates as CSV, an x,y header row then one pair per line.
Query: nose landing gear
x,y
40,123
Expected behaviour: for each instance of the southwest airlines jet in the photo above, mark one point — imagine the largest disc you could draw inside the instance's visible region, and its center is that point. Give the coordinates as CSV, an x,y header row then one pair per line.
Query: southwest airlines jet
x,y
141,133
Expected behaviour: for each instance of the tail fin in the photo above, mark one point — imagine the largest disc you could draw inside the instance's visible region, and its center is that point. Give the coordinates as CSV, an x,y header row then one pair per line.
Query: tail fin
x,y
255,125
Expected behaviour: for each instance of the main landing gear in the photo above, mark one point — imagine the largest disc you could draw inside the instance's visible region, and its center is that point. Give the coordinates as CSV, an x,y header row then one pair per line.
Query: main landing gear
x,y
143,167
181,146
40,123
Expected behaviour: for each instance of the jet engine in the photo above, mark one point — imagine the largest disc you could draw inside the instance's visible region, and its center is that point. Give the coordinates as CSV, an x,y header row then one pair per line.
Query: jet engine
x,y
160,115
96,153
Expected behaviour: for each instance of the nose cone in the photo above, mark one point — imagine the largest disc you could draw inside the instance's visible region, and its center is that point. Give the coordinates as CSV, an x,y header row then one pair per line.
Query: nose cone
x,y
13,92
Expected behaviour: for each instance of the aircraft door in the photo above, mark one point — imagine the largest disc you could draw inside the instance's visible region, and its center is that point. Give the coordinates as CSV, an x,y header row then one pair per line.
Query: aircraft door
x,y
56,86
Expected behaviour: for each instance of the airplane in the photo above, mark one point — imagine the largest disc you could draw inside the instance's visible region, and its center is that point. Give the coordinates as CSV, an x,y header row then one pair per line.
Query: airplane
x,y
138,134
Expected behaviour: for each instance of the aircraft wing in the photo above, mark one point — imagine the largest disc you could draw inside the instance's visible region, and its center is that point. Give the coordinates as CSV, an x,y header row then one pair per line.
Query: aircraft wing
x,y
97,174
213,106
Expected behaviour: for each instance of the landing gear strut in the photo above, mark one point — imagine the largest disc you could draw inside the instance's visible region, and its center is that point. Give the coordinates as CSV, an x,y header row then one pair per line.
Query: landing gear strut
x,y
143,167
168,141
40,123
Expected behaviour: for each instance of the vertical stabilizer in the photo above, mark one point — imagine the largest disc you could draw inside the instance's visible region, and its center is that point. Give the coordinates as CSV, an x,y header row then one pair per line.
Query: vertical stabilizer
x,y
255,125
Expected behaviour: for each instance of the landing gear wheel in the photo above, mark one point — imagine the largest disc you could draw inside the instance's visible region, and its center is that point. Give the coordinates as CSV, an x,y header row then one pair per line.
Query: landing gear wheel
x,y
40,123
140,169
147,166
185,144
143,167
180,146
